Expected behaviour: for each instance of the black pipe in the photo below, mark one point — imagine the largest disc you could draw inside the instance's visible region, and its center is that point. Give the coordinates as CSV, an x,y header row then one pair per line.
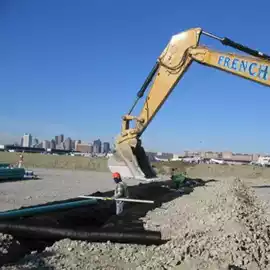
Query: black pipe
x,y
49,233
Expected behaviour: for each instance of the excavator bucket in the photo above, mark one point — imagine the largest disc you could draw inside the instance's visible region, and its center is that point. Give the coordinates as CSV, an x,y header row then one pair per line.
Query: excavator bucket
x,y
131,161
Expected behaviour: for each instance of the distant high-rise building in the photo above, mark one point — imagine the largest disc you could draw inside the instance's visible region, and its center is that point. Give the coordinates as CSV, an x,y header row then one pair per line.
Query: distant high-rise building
x,y
21,141
73,144
59,139
52,144
83,147
39,145
97,146
106,147
76,143
90,148
27,140
68,144
45,144
60,146
35,142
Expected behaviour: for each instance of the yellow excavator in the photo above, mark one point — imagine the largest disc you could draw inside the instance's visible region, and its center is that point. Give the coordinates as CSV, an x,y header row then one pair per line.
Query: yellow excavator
x,y
129,157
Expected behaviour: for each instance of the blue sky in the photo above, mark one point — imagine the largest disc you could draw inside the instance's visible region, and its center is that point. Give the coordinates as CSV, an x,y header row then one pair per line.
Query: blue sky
x,y
74,67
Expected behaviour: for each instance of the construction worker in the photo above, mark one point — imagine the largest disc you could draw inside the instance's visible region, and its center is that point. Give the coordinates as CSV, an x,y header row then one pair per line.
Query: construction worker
x,y
20,163
121,191
178,179
172,173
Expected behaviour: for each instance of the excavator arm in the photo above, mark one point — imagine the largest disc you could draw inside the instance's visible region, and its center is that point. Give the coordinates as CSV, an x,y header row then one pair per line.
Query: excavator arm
x,y
129,157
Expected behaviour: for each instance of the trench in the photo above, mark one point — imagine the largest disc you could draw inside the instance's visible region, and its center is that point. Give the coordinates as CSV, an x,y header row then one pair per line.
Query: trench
x,y
94,223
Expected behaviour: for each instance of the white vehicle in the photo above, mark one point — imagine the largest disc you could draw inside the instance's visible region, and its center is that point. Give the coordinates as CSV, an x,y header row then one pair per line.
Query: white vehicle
x,y
262,161
216,161
176,158
161,159
192,159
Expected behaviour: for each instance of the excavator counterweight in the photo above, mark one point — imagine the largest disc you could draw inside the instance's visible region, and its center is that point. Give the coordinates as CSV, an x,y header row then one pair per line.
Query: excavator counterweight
x,y
129,158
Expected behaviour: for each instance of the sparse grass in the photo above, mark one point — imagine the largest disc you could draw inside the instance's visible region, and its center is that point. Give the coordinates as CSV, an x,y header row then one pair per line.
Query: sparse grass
x,y
32,160
166,166
58,162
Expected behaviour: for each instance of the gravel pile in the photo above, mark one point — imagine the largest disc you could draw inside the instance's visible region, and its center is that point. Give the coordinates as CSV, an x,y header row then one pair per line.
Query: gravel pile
x,y
218,226
6,241
9,249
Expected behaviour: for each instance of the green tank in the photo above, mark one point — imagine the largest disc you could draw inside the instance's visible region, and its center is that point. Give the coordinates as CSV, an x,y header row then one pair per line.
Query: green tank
x,y
4,165
7,173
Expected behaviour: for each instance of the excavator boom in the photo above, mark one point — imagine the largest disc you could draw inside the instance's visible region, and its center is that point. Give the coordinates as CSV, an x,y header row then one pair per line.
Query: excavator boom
x,y
247,67
130,158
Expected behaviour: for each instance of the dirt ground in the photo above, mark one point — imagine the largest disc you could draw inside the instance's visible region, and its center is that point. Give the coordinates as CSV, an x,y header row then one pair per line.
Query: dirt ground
x,y
60,184
222,224
54,185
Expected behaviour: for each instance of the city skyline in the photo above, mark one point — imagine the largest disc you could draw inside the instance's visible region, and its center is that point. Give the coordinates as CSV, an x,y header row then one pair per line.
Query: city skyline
x,y
61,142
97,146
17,140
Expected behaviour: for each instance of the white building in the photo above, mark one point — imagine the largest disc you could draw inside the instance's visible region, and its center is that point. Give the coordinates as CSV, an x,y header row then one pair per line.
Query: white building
x,y
27,140
45,144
